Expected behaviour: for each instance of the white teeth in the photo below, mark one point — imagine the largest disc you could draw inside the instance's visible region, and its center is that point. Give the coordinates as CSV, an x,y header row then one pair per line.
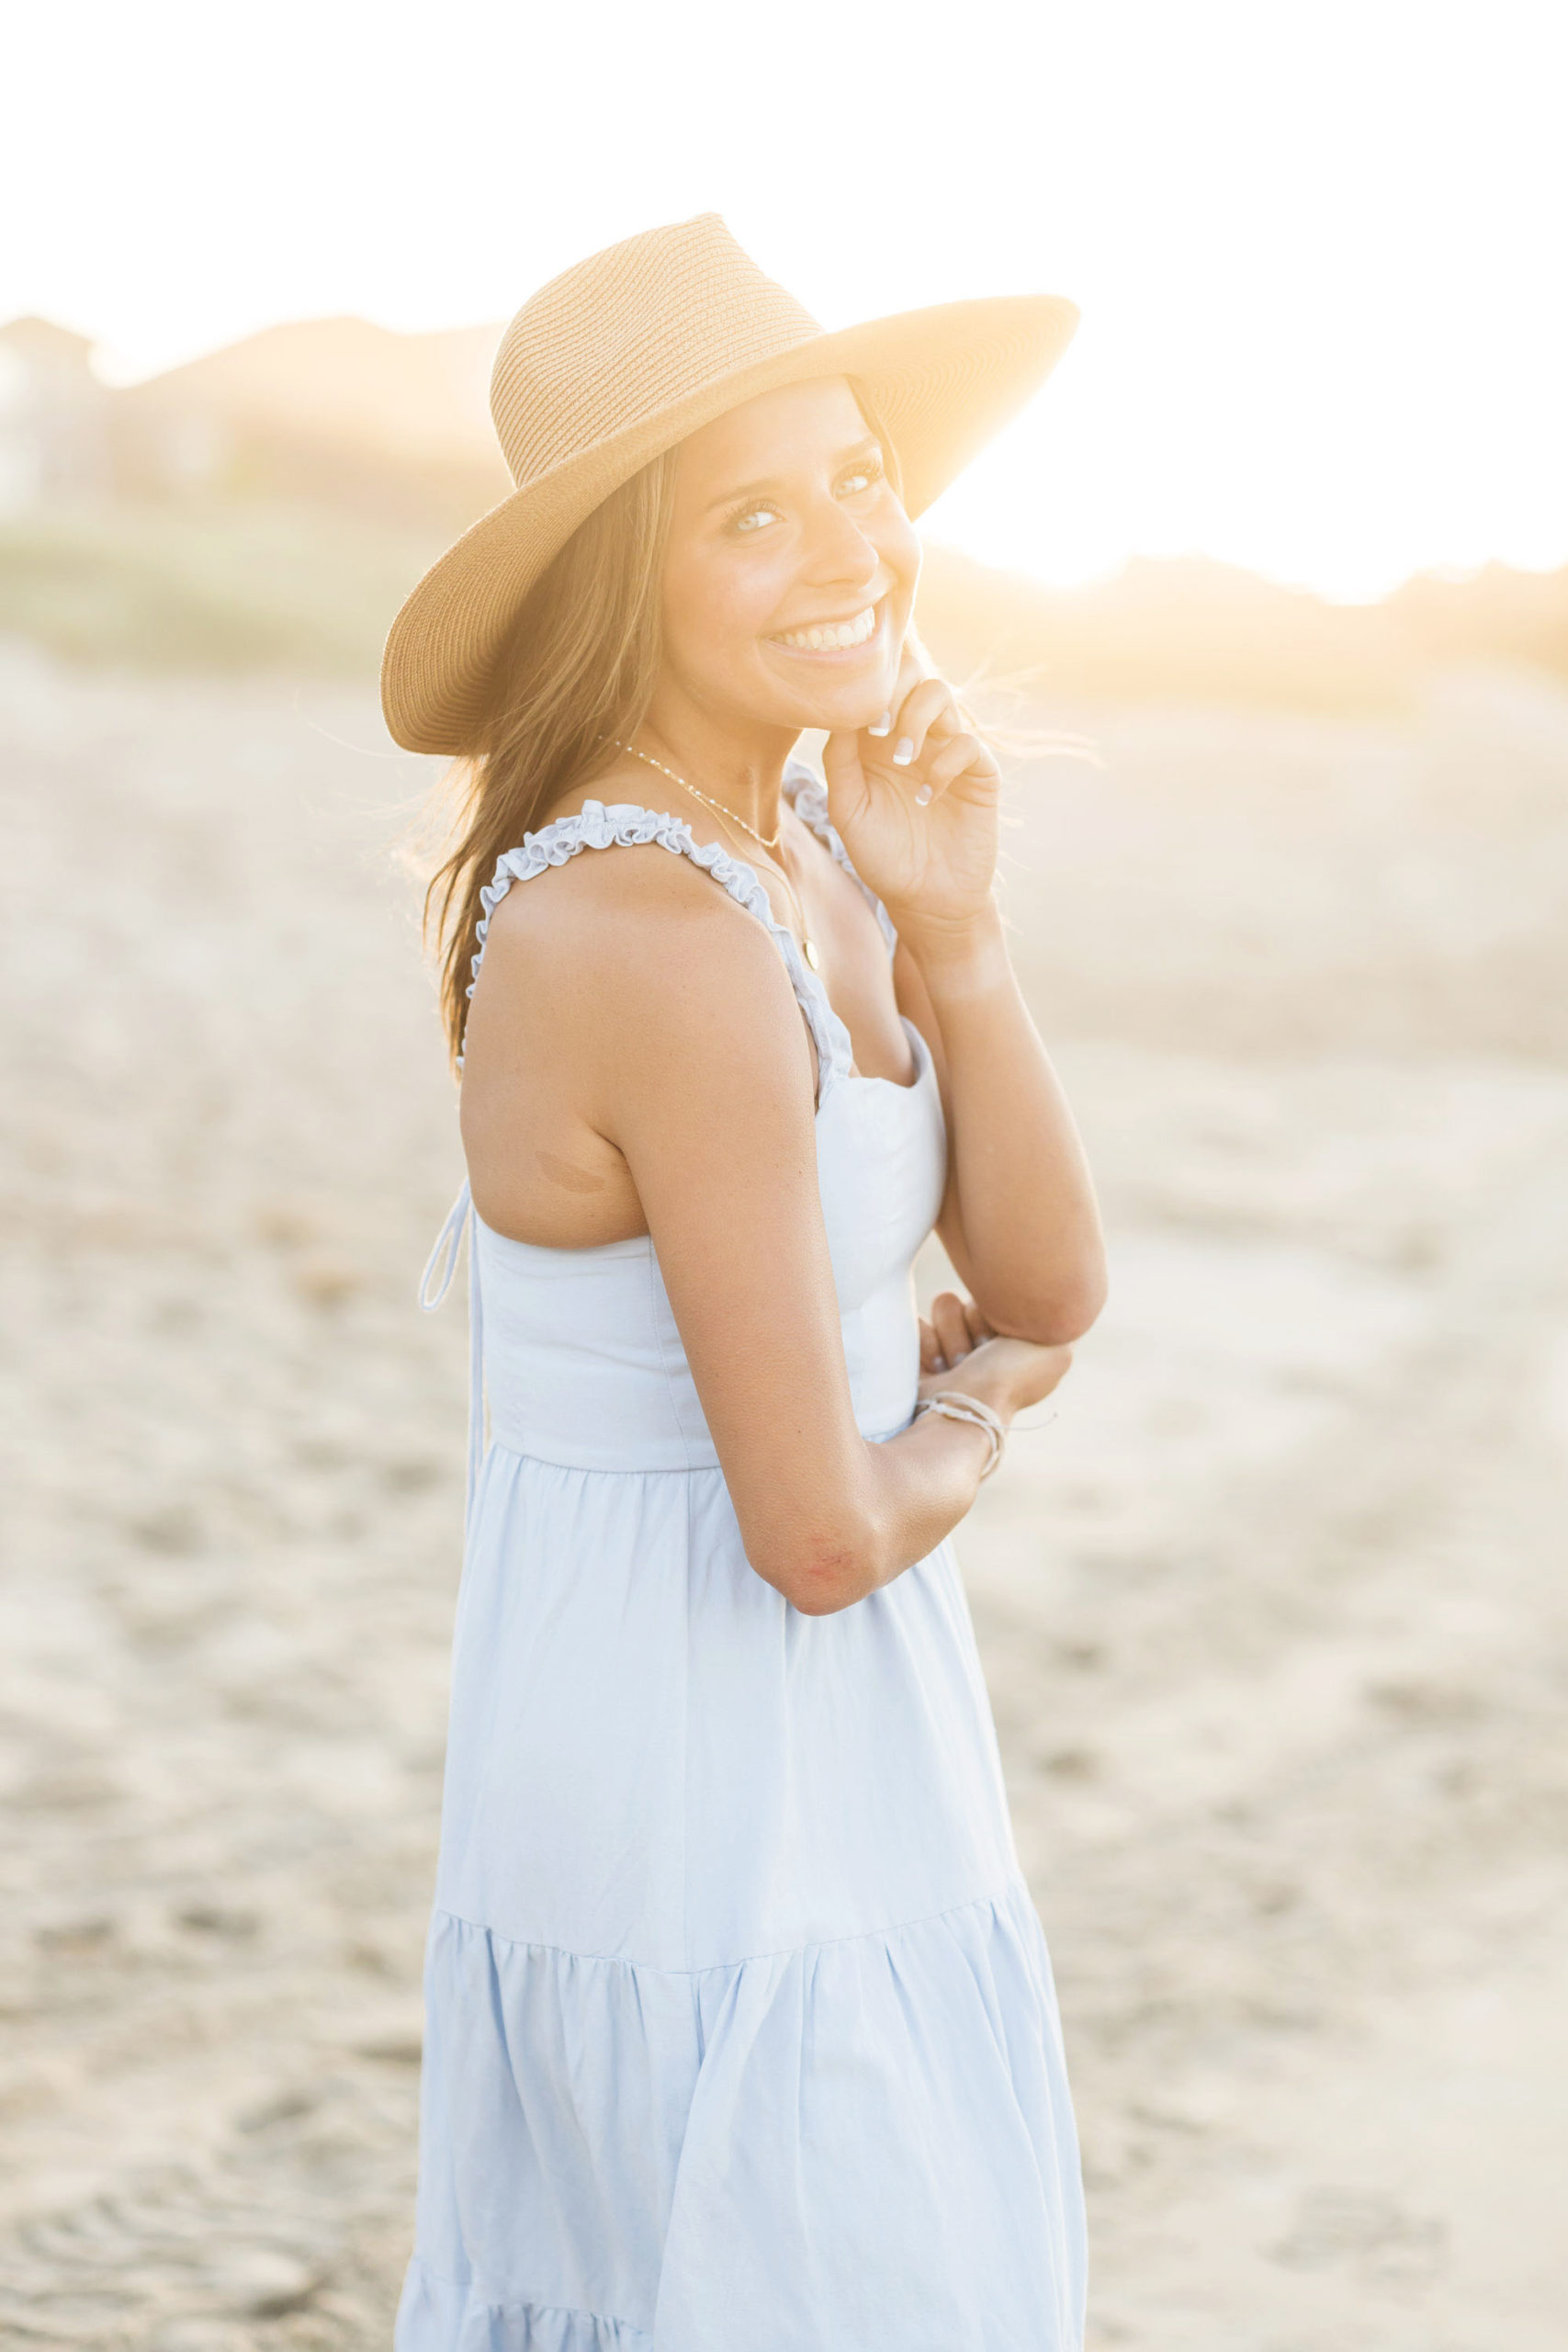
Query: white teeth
x,y
833,637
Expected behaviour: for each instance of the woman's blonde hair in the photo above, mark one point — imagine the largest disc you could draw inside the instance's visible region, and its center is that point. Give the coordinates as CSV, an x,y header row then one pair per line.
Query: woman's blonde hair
x,y
577,671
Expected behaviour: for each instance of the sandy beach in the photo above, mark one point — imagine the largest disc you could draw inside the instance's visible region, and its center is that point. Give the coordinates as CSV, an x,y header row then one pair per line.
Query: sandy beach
x,y
1273,1610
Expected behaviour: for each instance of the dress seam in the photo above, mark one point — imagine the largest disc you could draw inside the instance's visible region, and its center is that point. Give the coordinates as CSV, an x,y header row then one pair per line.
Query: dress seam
x,y
1016,1884
612,1469
475,2293
654,1470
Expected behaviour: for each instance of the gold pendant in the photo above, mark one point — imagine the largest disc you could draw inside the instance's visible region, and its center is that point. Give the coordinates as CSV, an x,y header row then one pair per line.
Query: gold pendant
x,y
809,948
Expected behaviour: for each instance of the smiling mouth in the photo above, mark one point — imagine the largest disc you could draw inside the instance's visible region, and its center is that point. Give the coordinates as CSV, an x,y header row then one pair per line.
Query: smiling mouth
x,y
832,637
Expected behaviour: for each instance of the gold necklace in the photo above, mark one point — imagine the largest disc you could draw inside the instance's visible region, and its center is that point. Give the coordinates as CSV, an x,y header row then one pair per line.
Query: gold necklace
x,y
762,840
808,945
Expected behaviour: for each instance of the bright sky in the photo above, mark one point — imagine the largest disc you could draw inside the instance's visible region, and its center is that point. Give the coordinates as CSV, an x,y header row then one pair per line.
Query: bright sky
x,y
1319,245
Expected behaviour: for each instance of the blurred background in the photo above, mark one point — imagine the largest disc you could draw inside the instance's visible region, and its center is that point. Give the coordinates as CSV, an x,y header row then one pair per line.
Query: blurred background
x,y
1273,1613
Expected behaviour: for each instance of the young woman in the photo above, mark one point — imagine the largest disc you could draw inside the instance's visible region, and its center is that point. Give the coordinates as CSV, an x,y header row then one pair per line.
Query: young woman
x,y
740,2028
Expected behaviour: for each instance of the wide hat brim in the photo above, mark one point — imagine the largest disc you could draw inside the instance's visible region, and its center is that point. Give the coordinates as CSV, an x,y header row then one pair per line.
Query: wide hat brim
x,y
942,382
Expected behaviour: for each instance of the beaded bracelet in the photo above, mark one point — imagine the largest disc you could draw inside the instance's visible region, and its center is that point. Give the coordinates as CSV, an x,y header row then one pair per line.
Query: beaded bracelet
x,y
952,1405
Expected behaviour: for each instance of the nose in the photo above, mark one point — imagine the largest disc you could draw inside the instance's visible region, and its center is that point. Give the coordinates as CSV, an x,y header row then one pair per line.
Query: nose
x,y
838,552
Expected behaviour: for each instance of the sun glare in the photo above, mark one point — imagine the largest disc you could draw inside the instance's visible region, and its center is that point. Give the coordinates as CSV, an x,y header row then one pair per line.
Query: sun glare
x,y
1316,250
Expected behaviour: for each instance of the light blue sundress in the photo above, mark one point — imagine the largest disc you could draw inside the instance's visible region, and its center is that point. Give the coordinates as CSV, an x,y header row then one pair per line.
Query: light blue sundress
x,y
740,2029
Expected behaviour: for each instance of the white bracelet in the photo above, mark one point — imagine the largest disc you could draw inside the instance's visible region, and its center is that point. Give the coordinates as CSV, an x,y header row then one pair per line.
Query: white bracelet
x,y
952,1405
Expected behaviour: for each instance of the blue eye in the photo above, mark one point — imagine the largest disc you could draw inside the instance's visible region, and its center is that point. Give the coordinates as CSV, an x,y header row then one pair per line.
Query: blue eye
x,y
749,520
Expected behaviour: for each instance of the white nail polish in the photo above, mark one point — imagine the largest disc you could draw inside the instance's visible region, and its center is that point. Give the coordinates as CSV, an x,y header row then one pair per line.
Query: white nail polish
x,y
884,725
923,796
903,752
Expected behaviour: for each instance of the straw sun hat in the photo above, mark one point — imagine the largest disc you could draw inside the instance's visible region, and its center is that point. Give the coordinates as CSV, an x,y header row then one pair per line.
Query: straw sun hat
x,y
625,354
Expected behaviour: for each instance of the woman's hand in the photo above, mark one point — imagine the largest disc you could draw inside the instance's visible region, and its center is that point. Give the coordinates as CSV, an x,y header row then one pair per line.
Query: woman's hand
x,y
956,1326
959,1351
915,804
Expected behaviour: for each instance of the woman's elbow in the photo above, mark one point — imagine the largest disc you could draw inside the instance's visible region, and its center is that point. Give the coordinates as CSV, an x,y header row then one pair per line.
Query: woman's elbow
x,y
1078,1309
823,1569
1057,1313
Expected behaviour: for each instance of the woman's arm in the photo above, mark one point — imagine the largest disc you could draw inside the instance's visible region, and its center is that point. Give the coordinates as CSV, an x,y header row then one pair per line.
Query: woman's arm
x,y
690,1058
1019,1218
918,809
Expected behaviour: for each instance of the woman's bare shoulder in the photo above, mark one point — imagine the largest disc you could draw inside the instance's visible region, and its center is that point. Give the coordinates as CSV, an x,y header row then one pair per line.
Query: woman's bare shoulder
x,y
627,940
611,902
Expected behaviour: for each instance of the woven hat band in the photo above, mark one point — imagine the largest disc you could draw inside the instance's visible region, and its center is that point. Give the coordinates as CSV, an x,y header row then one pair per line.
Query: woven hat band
x,y
628,333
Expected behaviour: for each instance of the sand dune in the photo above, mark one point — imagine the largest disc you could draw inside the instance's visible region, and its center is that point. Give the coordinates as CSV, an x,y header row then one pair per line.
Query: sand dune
x,y
1273,1611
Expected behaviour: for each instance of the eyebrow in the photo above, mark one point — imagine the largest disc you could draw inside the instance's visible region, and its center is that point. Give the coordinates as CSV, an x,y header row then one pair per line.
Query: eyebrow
x,y
758,489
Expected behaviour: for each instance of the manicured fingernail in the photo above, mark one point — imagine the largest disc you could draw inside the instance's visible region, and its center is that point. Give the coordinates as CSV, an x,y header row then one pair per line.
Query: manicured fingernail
x,y
923,794
903,752
884,725
940,1364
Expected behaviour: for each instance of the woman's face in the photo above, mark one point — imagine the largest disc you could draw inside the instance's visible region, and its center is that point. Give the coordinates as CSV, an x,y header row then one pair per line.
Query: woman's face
x,y
792,565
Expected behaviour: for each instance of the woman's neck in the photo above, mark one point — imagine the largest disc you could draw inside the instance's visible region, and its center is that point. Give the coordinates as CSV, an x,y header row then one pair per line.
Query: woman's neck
x,y
743,771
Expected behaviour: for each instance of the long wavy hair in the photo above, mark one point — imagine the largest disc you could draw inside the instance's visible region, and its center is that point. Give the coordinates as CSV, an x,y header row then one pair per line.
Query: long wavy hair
x,y
578,668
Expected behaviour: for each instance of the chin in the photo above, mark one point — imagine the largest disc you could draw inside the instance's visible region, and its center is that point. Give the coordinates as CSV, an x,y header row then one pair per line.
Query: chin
x,y
850,717
842,706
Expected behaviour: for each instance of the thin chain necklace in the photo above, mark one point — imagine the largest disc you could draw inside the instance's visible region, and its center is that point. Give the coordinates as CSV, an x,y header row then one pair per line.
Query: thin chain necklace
x,y
763,841
808,945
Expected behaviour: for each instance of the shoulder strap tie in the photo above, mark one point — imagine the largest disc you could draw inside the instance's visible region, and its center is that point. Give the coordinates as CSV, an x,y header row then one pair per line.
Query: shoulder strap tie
x,y
433,1285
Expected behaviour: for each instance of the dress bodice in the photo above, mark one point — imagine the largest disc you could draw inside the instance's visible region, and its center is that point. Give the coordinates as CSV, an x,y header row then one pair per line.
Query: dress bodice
x,y
582,1360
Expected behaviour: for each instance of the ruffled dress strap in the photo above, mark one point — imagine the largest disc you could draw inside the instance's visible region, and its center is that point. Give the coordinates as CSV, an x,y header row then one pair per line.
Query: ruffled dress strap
x,y
626,825
807,796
